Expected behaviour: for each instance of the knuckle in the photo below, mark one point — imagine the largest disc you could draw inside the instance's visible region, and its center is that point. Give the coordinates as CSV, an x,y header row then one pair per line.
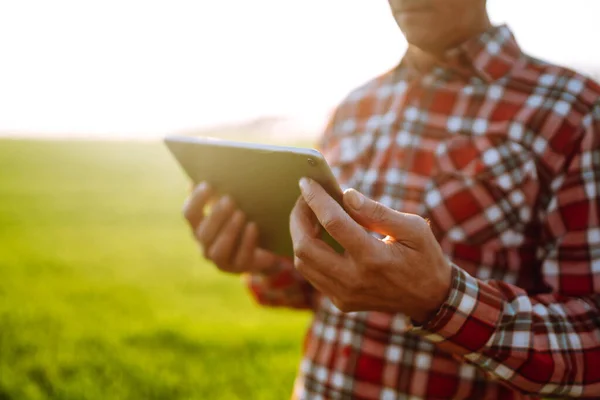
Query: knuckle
x,y
299,264
226,206
210,254
378,213
369,254
418,221
216,256
200,234
240,261
354,286
331,223
309,197
420,224
236,265
302,249
188,211
242,267
368,257
240,219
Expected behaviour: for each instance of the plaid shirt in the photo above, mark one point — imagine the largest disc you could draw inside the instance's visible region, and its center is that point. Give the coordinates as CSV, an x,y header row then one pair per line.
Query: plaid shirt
x,y
501,153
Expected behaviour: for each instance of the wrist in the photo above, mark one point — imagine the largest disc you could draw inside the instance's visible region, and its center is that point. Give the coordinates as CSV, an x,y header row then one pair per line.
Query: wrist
x,y
435,299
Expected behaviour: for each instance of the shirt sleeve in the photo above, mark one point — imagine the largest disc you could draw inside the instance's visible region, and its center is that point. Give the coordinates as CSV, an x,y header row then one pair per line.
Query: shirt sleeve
x,y
546,344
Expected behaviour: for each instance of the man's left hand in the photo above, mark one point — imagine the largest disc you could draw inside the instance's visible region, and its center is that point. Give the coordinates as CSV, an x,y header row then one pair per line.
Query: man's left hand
x,y
406,272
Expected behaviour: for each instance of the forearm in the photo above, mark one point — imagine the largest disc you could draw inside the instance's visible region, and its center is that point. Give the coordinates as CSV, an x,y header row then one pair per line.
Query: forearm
x,y
282,286
544,345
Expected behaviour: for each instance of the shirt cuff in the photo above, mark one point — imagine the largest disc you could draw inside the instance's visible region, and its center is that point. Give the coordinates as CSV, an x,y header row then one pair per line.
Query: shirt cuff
x,y
281,285
468,318
280,274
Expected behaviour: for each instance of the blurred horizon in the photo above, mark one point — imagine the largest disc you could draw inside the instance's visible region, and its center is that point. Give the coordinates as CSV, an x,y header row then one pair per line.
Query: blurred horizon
x,y
142,70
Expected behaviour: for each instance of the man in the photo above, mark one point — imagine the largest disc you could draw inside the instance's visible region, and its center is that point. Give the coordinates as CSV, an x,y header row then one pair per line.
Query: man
x,y
485,282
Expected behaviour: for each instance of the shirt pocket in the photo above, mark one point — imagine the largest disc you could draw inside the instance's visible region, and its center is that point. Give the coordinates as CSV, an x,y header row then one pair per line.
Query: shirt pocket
x,y
482,191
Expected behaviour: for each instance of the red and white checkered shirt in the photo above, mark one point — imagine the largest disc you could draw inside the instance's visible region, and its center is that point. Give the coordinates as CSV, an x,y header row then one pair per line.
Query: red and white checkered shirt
x,y
501,153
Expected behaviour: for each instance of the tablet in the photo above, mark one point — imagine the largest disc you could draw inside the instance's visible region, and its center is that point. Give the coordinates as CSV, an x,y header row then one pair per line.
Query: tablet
x,y
262,180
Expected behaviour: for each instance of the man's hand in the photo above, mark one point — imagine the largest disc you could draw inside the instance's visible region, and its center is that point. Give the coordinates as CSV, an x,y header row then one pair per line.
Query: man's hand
x,y
406,272
224,235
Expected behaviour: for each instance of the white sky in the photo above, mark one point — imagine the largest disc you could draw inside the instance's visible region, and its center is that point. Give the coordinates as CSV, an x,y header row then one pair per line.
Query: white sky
x,y
121,67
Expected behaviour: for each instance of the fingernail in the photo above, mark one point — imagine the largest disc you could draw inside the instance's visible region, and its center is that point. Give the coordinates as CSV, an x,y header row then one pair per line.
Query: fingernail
x,y
203,186
305,184
226,201
354,199
237,218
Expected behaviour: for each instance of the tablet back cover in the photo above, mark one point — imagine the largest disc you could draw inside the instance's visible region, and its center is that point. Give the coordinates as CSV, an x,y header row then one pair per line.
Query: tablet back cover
x,y
262,181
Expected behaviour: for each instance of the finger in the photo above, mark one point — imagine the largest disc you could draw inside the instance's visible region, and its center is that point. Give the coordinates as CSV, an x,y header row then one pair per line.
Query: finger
x,y
223,249
248,243
381,219
251,258
346,231
303,222
211,225
307,245
193,209
313,258
262,260
305,218
326,271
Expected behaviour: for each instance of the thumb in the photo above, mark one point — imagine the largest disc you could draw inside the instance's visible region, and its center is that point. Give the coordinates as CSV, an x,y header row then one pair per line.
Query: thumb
x,y
381,219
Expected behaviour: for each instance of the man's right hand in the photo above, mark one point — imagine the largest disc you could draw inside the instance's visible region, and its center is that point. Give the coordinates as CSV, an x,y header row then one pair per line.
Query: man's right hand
x,y
224,234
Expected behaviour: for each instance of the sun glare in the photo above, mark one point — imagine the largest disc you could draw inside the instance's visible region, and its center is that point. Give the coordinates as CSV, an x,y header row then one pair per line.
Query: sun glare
x,y
145,68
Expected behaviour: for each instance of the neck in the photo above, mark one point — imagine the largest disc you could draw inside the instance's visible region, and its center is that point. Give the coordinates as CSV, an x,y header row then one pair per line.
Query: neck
x,y
480,25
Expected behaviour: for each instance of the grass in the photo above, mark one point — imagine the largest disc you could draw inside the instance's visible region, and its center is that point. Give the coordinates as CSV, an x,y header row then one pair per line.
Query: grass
x,y
103,294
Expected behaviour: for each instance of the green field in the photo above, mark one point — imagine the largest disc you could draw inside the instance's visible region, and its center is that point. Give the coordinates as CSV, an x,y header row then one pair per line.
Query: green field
x,y
103,294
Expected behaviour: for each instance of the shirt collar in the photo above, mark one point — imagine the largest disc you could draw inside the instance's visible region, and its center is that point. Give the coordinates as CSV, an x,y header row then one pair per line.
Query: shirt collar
x,y
491,55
